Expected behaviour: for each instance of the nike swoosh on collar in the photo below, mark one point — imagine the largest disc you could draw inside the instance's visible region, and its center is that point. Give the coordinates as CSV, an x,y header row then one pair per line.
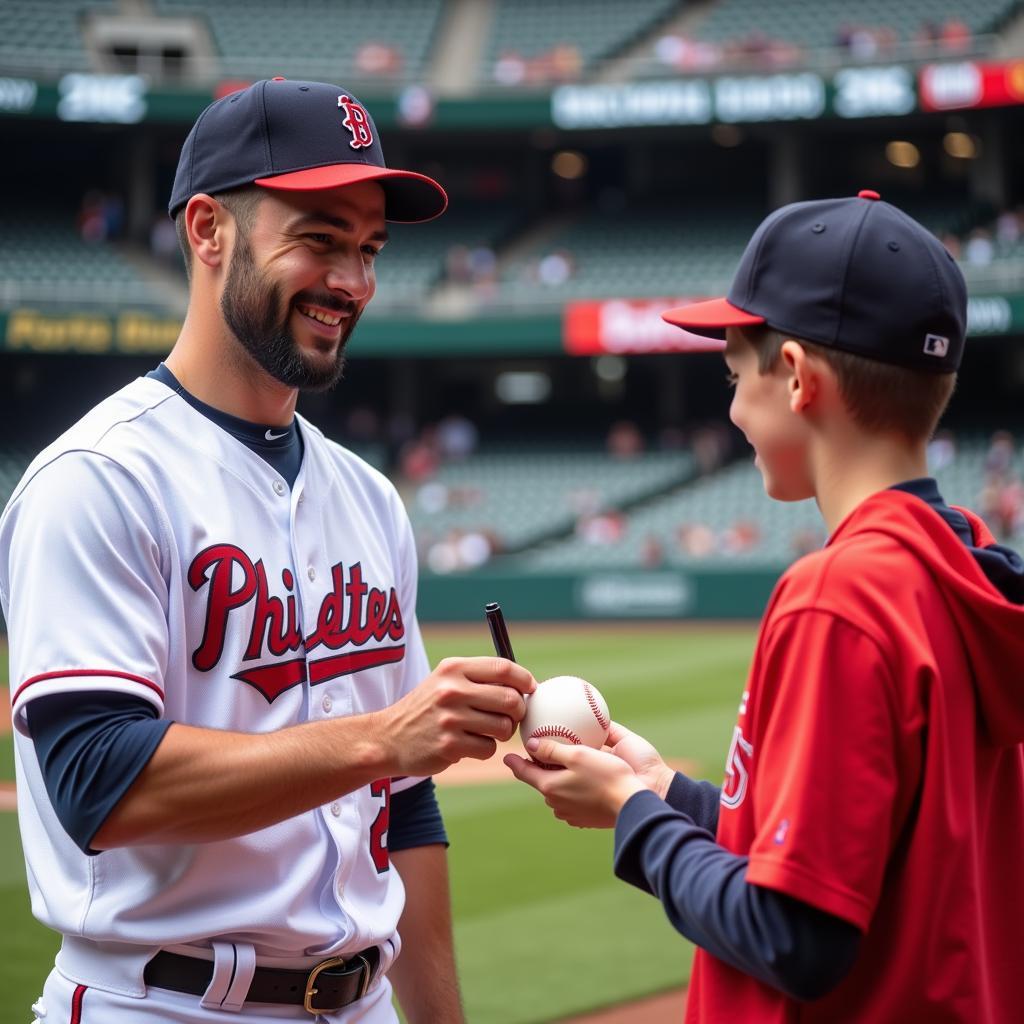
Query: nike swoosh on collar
x,y
275,437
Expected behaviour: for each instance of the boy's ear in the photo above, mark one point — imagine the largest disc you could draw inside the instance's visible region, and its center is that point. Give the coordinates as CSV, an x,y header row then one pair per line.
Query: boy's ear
x,y
802,374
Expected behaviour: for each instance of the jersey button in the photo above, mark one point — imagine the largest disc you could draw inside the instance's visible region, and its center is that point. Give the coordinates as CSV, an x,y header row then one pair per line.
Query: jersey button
x,y
278,487
327,704
336,809
311,573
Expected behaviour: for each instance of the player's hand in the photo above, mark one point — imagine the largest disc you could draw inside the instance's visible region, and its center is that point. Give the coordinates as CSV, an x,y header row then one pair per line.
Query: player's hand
x,y
460,710
641,756
591,790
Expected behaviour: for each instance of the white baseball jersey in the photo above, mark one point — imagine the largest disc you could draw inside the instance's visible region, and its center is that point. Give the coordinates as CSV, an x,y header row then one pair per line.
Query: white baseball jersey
x,y
149,552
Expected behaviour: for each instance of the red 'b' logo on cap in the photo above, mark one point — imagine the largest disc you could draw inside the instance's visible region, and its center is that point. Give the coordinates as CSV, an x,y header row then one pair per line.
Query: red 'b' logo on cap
x,y
356,122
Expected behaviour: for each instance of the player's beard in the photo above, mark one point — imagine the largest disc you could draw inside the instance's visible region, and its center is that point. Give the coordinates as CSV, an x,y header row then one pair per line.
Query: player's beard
x,y
253,309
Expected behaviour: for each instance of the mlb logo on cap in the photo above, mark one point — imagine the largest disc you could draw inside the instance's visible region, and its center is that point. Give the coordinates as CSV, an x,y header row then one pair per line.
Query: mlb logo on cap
x,y
936,345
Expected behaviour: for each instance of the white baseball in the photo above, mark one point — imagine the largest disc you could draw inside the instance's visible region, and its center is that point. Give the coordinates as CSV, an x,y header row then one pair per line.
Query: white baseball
x,y
566,709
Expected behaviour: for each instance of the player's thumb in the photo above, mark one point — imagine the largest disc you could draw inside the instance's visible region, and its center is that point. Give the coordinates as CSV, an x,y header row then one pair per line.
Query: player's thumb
x,y
548,752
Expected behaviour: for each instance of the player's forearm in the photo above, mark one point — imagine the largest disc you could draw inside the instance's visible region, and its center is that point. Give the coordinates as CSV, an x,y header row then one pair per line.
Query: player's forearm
x,y
424,976
204,785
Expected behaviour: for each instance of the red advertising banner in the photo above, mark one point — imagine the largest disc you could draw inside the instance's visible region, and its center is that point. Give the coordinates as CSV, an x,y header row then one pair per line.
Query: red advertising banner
x,y
969,84
628,326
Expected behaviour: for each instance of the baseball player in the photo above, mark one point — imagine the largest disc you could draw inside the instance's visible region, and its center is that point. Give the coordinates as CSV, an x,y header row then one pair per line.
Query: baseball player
x,y
226,723
861,861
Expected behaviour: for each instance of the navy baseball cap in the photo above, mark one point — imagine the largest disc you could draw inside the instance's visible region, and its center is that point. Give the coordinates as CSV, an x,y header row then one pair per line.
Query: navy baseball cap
x,y
296,136
855,274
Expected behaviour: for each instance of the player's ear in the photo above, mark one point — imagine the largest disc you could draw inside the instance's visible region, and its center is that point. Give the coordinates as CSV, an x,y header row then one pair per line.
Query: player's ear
x,y
207,225
802,379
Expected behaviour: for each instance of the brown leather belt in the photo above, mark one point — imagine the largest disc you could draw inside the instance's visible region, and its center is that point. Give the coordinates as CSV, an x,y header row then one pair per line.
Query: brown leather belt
x,y
328,986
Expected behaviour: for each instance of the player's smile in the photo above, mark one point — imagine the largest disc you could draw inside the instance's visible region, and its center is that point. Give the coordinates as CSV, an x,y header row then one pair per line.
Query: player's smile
x,y
329,326
328,320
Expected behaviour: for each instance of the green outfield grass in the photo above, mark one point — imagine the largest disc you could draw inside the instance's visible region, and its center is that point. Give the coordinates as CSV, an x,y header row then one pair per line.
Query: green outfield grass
x,y
543,929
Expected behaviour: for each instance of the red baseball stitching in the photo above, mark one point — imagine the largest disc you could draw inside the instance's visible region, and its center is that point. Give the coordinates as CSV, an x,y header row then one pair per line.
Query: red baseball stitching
x,y
602,719
544,731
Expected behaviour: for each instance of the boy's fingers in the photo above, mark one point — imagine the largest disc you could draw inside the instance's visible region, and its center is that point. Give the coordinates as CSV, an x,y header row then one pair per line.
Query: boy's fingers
x,y
550,752
525,771
616,734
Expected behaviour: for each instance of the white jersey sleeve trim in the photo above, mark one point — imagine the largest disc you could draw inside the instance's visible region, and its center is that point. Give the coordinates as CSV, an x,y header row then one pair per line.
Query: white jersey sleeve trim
x,y
400,783
68,680
83,556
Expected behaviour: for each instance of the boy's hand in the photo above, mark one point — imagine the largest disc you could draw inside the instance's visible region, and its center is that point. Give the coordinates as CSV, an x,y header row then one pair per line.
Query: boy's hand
x,y
589,792
641,756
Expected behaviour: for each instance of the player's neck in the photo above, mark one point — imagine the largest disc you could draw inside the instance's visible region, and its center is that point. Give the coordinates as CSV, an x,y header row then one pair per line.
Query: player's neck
x,y
850,467
219,375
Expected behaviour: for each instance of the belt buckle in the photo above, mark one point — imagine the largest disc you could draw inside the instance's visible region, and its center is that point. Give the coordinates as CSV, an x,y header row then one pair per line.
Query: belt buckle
x,y
334,961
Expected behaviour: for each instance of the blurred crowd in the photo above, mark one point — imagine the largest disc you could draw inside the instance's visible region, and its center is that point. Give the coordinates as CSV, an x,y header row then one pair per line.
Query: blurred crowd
x,y
101,216
477,267
596,523
986,242
562,62
852,40
1001,501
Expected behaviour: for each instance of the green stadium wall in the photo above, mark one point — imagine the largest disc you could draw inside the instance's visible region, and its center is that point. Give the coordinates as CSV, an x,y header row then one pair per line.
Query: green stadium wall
x,y
152,332
718,593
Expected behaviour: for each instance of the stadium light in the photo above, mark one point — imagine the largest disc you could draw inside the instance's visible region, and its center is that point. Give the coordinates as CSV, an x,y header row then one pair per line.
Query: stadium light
x,y
522,387
609,368
569,164
902,154
960,145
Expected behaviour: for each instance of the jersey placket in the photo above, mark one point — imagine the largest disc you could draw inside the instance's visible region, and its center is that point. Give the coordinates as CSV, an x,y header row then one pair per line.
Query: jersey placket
x,y
329,699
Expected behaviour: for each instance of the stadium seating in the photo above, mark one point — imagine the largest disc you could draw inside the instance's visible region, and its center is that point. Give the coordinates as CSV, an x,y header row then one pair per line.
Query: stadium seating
x,y
42,257
707,507
13,463
661,249
416,258
316,39
523,496
47,30
727,519
595,29
644,250
817,24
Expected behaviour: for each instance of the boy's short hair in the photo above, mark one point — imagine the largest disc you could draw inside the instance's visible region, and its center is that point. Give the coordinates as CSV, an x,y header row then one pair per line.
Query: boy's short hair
x,y
881,397
240,202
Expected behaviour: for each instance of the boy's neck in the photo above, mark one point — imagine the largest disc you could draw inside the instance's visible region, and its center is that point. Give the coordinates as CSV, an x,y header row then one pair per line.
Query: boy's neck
x,y
846,471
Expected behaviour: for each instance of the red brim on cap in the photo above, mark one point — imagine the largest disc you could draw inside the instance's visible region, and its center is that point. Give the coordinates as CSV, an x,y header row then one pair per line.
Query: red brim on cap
x,y
409,197
712,315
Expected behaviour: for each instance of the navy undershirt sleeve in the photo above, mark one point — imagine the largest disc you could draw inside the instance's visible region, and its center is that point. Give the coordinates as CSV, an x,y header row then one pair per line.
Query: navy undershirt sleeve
x,y
416,818
784,942
667,848
91,747
697,800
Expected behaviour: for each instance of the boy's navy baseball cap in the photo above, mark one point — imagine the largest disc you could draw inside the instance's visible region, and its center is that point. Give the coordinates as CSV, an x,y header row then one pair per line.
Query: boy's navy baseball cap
x,y
296,136
856,274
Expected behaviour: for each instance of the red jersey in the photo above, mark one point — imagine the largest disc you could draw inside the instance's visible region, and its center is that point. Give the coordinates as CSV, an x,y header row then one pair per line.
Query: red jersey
x,y
876,772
